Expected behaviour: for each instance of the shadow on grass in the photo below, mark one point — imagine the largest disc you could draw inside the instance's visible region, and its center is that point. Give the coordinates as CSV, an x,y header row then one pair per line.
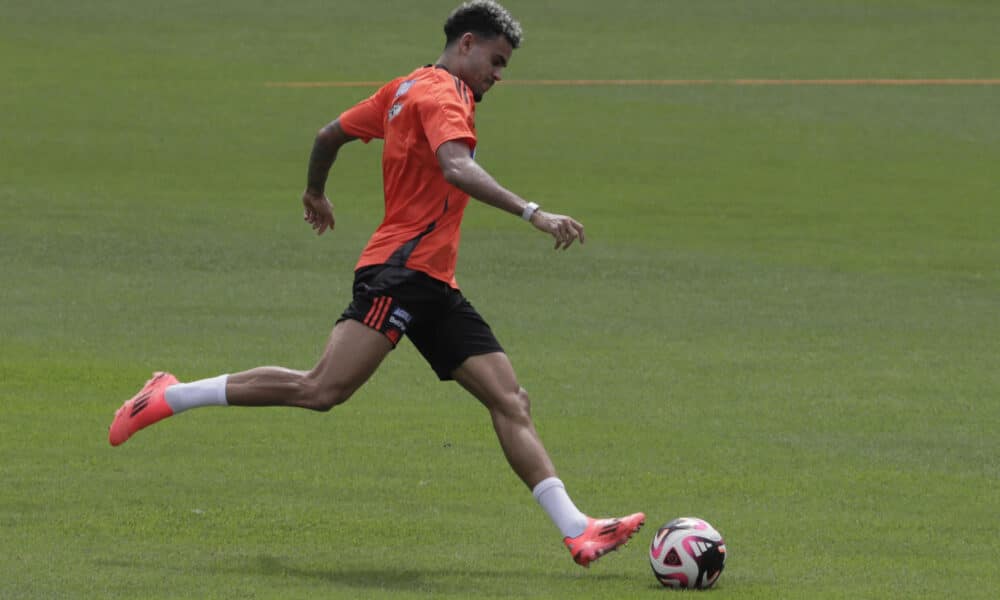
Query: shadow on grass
x,y
441,580
435,581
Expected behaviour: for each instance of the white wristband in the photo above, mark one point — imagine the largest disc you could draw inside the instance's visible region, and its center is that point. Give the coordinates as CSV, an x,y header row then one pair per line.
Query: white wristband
x,y
529,210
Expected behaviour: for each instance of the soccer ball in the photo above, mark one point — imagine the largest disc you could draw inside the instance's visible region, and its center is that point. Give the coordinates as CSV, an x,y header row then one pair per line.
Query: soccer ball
x,y
687,553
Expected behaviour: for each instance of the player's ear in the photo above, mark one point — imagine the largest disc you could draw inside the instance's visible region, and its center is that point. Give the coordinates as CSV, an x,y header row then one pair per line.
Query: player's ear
x,y
466,42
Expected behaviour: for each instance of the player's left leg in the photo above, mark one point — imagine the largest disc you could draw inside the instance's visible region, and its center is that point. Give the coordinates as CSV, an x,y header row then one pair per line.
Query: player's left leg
x,y
354,351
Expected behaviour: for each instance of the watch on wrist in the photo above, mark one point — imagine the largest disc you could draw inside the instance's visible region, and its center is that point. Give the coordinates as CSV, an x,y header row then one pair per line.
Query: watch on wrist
x,y
529,210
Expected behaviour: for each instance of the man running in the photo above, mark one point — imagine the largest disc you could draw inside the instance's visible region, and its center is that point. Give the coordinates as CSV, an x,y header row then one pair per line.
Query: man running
x,y
404,282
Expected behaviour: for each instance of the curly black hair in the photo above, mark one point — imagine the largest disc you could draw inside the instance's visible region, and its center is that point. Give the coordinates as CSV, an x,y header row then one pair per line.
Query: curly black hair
x,y
485,18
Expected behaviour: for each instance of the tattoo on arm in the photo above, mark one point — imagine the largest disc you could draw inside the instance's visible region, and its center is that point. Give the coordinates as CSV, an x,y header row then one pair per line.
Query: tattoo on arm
x,y
323,154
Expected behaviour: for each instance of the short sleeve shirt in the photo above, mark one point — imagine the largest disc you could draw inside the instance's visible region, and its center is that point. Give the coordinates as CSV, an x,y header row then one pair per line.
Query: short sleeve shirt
x,y
415,115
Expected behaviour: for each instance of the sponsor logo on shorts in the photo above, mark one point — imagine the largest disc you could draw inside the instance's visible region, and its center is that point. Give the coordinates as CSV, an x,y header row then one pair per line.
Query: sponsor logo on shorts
x,y
400,318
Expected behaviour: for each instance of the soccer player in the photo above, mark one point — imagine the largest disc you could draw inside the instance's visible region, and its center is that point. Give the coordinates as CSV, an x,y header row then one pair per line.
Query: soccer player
x,y
404,282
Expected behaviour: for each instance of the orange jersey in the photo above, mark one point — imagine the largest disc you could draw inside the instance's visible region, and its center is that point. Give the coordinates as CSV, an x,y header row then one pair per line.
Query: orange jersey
x,y
415,115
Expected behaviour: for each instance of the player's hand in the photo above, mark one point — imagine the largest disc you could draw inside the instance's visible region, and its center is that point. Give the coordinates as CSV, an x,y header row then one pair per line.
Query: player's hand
x,y
318,212
563,228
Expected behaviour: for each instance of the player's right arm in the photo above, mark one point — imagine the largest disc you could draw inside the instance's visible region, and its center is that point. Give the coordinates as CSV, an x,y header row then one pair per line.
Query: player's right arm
x,y
318,211
363,121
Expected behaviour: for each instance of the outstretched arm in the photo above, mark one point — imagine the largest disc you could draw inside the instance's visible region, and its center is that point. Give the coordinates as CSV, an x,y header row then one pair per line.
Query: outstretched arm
x,y
463,172
318,210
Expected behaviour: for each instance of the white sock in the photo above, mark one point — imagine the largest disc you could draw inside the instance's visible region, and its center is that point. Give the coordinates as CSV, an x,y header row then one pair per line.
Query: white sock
x,y
206,392
551,494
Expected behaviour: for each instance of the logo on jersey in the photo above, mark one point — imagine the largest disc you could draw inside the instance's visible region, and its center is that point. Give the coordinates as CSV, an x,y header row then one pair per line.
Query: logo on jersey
x,y
404,87
395,110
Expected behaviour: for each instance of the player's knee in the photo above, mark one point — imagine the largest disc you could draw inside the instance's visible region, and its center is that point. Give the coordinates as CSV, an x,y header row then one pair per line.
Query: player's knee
x,y
322,397
517,405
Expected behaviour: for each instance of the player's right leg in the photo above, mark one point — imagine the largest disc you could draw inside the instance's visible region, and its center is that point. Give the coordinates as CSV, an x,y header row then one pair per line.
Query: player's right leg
x,y
602,536
491,379
353,352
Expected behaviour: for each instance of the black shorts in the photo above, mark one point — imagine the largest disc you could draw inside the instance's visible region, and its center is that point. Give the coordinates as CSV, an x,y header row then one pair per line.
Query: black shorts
x,y
437,318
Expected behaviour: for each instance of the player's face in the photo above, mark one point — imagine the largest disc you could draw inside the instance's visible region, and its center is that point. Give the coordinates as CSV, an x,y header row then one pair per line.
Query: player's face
x,y
486,58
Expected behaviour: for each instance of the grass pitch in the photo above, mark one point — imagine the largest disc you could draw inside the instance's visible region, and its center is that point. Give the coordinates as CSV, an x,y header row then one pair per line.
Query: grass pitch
x,y
785,319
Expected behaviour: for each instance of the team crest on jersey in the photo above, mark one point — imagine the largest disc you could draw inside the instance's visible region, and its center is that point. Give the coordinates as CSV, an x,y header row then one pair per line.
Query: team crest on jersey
x,y
395,110
404,87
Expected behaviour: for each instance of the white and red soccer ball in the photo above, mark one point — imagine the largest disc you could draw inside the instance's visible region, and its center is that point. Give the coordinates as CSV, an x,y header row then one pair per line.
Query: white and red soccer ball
x,y
687,553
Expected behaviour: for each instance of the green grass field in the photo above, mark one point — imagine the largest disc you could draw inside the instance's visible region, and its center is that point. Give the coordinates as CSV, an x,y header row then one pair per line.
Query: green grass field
x,y
786,318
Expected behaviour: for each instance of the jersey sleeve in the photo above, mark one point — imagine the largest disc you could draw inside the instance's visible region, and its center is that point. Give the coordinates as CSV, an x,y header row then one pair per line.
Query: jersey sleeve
x,y
445,116
366,119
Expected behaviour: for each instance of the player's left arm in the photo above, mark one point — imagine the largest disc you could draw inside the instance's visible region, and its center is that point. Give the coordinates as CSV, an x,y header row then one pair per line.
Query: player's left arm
x,y
463,172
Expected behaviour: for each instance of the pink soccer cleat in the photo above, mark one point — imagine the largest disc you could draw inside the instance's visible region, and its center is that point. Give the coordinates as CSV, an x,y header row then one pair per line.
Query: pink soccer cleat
x,y
602,536
144,409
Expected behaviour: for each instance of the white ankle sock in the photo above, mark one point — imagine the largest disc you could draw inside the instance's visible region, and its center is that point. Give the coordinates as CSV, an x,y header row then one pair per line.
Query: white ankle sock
x,y
206,392
551,494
